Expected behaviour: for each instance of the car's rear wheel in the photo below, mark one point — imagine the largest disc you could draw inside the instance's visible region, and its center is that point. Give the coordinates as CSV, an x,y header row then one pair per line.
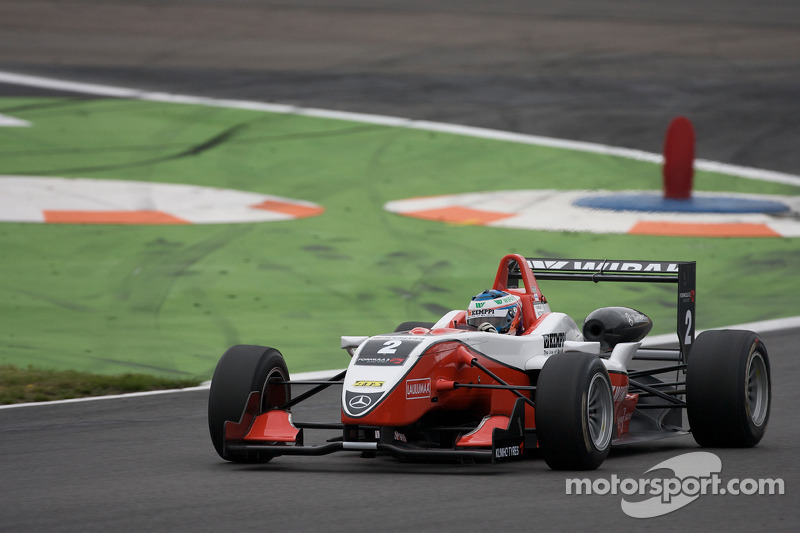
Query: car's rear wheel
x,y
241,370
728,389
574,412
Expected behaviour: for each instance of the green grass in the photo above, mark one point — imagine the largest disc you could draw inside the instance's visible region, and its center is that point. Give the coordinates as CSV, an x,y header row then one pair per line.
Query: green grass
x,y
168,300
18,385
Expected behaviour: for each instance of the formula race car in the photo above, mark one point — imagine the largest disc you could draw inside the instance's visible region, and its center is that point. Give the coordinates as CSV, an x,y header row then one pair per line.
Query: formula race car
x,y
507,378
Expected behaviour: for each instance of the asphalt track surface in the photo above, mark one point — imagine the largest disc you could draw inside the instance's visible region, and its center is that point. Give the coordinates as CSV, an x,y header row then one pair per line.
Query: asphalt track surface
x,y
613,72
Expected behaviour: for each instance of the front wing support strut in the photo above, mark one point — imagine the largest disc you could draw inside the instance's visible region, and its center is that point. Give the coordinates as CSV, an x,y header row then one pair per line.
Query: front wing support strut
x,y
473,361
335,380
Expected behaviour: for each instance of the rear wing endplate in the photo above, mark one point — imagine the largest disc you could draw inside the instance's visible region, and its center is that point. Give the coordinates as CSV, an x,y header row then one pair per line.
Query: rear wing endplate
x,y
681,273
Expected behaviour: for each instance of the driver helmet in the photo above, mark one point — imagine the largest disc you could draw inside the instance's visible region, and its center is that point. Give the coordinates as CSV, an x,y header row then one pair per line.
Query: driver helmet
x,y
494,310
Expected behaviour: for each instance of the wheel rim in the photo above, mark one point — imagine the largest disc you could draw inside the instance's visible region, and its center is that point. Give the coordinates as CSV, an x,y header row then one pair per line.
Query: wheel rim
x,y
600,412
757,389
274,394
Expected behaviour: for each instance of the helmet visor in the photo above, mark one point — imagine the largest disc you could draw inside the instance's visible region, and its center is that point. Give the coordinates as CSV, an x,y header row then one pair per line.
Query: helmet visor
x,y
501,319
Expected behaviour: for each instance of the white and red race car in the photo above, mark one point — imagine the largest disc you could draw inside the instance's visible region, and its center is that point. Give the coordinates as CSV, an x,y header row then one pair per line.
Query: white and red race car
x,y
448,390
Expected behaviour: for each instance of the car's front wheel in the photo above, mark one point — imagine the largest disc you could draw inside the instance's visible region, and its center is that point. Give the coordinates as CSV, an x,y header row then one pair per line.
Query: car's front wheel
x,y
241,370
574,412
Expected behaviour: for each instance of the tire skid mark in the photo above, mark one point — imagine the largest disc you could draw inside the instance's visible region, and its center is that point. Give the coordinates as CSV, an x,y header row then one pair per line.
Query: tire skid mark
x,y
197,149
52,300
141,366
147,288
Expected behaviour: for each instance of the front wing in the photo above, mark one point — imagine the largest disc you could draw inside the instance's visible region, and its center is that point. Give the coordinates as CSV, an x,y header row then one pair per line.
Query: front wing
x,y
273,433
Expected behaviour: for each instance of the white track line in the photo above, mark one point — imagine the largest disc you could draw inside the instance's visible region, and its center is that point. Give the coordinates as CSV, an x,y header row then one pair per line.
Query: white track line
x,y
319,374
469,131
762,327
11,122
483,133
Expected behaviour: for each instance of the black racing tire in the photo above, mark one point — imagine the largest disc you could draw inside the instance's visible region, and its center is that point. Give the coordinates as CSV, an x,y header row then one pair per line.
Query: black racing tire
x,y
241,370
728,389
574,412
408,326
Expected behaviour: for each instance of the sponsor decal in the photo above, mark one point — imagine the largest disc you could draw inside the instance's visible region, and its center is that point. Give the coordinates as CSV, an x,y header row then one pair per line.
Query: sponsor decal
x,y
605,266
508,452
386,352
359,402
687,296
356,403
547,265
400,437
366,383
625,405
636,318
554,340
623,421
488,312
367,360
418,388
619,392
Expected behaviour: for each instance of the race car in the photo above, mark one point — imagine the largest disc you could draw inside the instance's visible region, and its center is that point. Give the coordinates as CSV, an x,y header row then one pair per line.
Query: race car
x,y
508,378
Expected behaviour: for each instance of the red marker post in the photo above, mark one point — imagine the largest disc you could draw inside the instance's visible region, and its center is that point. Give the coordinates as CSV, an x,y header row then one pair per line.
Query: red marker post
x,y
678,169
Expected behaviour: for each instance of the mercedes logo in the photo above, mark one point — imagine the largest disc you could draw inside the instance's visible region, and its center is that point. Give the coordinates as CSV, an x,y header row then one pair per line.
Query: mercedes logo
x,y
359,402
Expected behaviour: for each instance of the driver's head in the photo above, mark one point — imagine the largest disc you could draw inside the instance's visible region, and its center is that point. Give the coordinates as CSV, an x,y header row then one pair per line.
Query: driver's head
x,y
498,309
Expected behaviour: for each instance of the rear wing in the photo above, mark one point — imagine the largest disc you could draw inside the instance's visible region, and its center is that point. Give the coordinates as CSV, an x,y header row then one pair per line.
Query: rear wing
x,y
681,273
